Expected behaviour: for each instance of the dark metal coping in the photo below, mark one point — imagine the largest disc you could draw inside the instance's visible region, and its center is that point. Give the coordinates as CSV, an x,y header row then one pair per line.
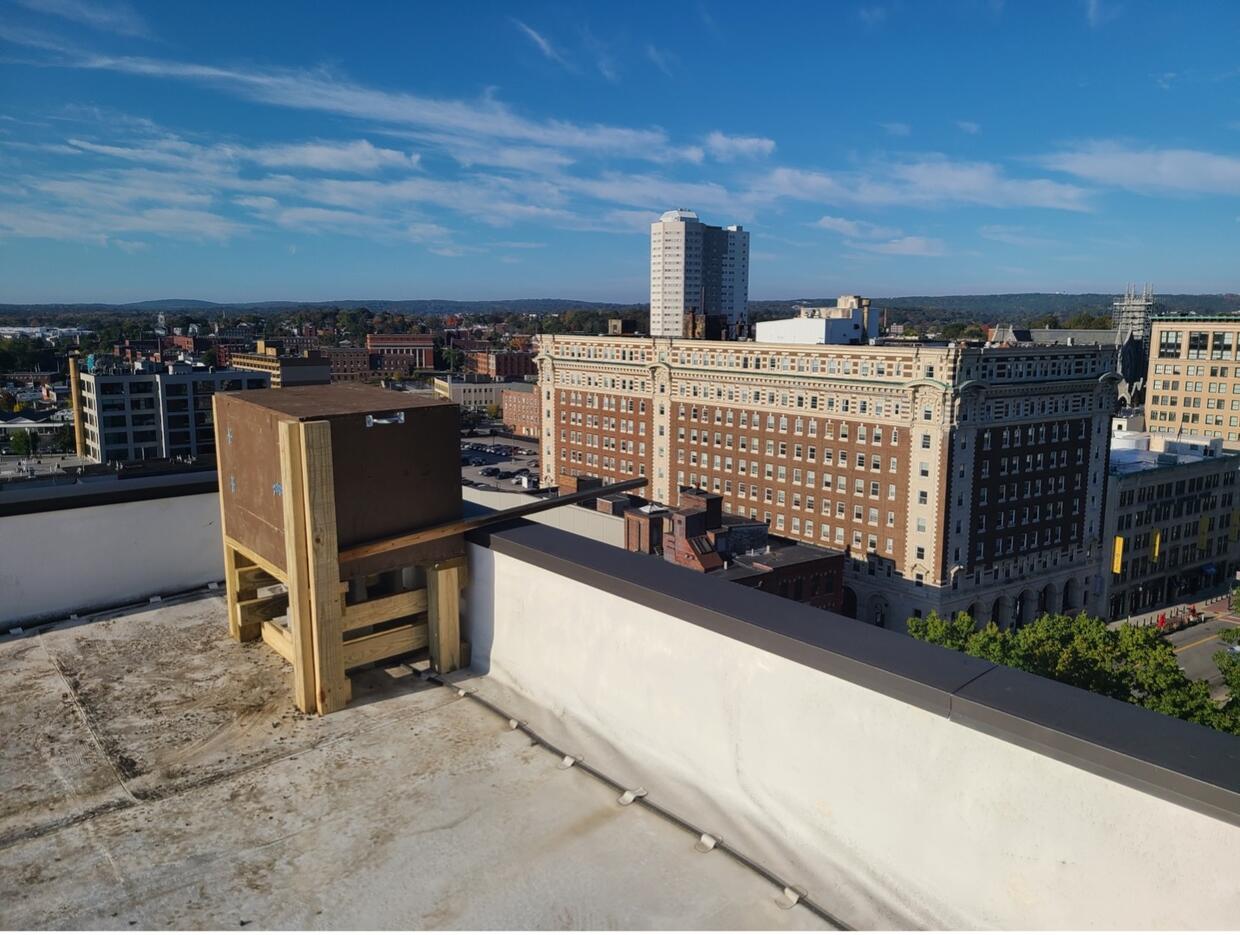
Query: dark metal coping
x,y
1181,762
56,497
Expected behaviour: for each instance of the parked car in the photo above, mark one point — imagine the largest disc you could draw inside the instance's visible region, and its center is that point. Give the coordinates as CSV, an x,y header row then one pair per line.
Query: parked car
x,y
489,472
504,475
520,471
477,462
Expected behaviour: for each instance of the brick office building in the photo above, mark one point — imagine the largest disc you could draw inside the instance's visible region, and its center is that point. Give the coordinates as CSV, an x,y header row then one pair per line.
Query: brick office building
x,y
520,409
500,364
348,364
1194,377
394,355
955,477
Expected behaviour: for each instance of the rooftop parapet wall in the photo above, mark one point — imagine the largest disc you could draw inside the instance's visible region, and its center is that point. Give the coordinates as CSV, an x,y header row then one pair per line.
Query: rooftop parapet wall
x,y
902,785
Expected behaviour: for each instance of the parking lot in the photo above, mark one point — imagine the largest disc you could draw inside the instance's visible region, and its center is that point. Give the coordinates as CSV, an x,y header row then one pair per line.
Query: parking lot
x,y
496,456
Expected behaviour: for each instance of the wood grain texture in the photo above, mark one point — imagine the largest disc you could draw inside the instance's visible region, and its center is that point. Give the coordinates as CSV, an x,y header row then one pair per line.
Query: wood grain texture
x,y
333,690
296,563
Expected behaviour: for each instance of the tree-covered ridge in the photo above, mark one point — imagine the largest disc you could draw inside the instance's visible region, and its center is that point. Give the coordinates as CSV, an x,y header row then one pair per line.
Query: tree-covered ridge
x,y
1130,663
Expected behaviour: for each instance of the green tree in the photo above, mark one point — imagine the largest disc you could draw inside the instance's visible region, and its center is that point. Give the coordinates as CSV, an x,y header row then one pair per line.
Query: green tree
x,y
1131,663
25,443
952,632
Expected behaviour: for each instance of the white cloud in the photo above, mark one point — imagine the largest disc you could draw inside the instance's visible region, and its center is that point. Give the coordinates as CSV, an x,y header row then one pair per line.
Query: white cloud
x,y
663,60
872,15
116,17
1098,13
1150,170
928,182
542,42
129,246
859,229
895,128
355,156
905,246
483,120
728,148
968,126
1015,235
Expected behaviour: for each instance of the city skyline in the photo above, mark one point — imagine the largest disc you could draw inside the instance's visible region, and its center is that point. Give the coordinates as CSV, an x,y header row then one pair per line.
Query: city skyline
x,y
878,149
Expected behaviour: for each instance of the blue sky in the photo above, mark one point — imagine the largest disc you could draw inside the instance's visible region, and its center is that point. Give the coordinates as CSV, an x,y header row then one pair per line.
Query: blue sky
x,y
289,150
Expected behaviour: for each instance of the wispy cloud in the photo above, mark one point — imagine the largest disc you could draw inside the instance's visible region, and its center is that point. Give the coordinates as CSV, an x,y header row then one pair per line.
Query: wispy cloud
x,y
905,246
542,42
116,17
872,15
861,230
1015,236
728,148
969,127
325,92
928,182
663,60
896,128
1150,169
604,60
1099,12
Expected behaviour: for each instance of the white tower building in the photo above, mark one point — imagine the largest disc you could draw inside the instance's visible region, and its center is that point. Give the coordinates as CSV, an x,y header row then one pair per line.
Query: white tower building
x,y
700,271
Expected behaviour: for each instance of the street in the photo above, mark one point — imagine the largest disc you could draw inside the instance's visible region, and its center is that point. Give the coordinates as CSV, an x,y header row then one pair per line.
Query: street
x,y
1195,646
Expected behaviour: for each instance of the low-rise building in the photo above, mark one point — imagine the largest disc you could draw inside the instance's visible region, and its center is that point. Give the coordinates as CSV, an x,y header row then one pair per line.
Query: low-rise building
x,y
149,413
1194,376
306,368
849,321
521,409
698,535
470,392
1170,523
394,355
500,364
348,364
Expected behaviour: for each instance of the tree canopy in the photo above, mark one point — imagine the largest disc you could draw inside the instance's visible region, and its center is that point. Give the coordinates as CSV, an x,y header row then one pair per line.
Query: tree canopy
x,y
1131,663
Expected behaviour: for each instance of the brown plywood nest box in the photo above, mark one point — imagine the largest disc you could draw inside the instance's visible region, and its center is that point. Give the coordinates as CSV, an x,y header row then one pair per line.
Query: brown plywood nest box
x,y
394,461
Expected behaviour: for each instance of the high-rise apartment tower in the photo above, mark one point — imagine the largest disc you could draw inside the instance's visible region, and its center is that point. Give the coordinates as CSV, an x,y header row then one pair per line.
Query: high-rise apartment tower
x,y
699,278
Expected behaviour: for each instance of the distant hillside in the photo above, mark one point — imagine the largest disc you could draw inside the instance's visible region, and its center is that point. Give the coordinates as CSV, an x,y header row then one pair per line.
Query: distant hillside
x,y
401,306
1017,307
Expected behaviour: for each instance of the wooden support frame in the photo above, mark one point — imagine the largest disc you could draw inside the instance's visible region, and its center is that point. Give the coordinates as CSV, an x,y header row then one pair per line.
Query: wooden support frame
x,y
325,636
323,562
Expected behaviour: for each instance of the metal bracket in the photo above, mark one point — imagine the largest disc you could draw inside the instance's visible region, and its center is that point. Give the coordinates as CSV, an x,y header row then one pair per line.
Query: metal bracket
x,y
397,419
568,761
513,723
706,843
632,795
792,896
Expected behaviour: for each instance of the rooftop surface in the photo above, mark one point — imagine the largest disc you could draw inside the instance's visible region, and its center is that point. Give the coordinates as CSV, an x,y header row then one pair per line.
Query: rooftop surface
x,y
157,775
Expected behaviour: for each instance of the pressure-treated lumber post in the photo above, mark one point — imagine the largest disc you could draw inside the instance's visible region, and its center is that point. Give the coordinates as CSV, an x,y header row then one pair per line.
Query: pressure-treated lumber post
x,y
443,600
300,618
230,556
323,564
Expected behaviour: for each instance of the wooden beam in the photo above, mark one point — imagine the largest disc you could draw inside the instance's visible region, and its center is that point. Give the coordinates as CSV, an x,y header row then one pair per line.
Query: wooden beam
x,y
297,568
256,559
254,612
333,689
251,578
444,612
383,609
456,527
230,555
280,640
394,642
230,592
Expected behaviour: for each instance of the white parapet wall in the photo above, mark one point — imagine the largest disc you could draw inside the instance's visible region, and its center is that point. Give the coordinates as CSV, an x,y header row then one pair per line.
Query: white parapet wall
x,y
59,562
601,527
889,815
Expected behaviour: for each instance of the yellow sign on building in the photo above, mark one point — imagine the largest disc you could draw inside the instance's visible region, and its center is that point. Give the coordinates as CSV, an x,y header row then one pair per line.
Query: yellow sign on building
x,y
1118,559
1157,543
